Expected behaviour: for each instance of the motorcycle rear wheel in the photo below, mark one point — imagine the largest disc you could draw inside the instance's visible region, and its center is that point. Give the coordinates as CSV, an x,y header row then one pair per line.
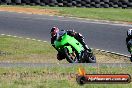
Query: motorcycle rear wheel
x,y
90,58
131,58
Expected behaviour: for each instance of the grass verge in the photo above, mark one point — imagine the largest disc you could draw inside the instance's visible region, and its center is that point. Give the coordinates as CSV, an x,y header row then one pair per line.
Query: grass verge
x,y
56,76
112,14
24,50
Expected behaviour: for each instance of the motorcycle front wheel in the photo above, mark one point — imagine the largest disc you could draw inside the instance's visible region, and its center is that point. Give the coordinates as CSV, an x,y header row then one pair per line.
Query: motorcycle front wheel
x,y
70,57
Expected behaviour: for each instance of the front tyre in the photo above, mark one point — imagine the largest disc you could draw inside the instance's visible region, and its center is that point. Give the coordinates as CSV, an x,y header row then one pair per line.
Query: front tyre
x,y
71,58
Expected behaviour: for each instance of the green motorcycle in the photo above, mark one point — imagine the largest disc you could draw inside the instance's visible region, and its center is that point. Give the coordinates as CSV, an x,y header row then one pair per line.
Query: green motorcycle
x,y
73,50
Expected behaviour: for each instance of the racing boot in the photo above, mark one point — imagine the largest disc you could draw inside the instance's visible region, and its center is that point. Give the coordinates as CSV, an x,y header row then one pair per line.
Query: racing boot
x,y
60,56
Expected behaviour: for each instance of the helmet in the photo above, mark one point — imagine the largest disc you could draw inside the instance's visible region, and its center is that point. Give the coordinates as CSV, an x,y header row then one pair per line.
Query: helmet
x,y
129,32
54,31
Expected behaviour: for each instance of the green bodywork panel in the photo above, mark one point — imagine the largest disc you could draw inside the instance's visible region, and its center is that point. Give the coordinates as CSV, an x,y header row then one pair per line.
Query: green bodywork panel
x,y
68,41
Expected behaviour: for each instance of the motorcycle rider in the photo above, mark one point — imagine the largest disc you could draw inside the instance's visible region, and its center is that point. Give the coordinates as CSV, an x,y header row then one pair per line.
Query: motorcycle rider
x,y
128,38
55,33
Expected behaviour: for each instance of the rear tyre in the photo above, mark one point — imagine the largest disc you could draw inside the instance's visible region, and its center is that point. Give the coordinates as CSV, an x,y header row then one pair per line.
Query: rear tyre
x,y
131,58
92,59
89,57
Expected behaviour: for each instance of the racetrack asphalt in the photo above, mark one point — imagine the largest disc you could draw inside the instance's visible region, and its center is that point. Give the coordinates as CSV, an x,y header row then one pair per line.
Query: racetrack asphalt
x,y
98,35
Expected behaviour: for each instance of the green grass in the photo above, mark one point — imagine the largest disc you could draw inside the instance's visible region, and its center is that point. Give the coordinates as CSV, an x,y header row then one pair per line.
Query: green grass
x,y
22,50
112,14
56,76
100,13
